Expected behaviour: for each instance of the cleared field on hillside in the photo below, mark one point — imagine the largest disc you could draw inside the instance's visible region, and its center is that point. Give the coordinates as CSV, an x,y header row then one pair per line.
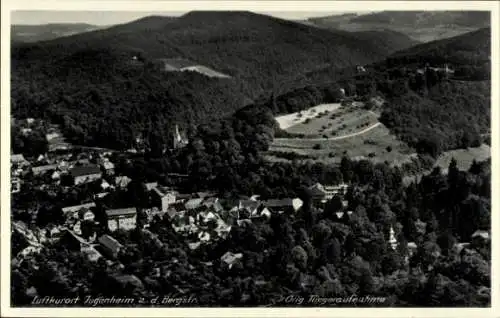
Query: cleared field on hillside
x,y
289,120
377,145
340,122
464,158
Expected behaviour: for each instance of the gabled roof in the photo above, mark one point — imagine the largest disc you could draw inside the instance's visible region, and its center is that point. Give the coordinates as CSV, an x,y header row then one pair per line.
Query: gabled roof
x,y
75,208
122,181
192,204
16,158
44,168
108,165
481,233
129,279
110,243
230,258
117,212
278,203
249,205
151,185
78,171
317,189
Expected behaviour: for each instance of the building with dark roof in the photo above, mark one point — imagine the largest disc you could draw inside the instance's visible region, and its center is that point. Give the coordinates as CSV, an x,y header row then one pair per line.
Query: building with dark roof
x,y
110,246
283,205
124,219
85,174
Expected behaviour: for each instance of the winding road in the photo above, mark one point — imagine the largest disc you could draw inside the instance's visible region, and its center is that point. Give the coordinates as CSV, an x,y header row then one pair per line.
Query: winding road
x,y
336,138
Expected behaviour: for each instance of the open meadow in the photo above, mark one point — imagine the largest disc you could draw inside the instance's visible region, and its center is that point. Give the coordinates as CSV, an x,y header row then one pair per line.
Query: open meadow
x,y
377,145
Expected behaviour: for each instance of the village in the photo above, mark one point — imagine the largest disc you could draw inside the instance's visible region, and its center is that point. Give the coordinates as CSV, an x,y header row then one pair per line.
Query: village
x,y
87,227
201,218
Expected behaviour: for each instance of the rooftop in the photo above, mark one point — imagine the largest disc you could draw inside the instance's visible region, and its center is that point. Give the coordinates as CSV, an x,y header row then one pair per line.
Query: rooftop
x,y
110,242
124,211
78,171
17,158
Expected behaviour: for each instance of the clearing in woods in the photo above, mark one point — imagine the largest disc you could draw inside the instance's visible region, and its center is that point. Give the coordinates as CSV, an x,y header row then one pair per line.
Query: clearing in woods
x,y
340,122
289,120
329,131
377,145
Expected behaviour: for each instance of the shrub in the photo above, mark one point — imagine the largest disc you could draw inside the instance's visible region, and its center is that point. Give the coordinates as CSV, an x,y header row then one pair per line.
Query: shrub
x,y
389,148
371,154
317,146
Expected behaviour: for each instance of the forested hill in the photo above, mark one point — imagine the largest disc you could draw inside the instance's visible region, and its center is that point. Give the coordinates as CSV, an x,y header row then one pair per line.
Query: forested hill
x,y
33,33
423,26
473,48
104,88
258,49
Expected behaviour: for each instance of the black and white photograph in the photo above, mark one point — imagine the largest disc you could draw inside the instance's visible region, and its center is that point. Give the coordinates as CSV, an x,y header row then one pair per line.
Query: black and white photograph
x,y
249,158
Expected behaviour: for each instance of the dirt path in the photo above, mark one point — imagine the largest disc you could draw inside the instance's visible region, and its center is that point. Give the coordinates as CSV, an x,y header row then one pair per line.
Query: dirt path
x,y
337,138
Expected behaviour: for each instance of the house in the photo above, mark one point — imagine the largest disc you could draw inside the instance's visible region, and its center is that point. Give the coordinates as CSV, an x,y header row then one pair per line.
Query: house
x,y
37,171
213,204
85,174
193,246
318,193
108,167
110,246
125,219
151,185
56,175
105,185
18,159
480,237
122,181
248,207
92,254
86,215
459,247
193,204
52,135
412,248
321,194
229,259
283,205
77,210
15,185
331,191
163,197
127,281
74,242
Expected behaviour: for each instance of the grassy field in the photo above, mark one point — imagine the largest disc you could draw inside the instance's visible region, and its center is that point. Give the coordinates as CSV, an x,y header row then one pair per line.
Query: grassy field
x,y
464,158
377,145
339,122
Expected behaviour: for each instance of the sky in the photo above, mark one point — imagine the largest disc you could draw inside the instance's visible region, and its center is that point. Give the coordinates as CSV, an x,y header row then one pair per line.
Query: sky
x,y
117,17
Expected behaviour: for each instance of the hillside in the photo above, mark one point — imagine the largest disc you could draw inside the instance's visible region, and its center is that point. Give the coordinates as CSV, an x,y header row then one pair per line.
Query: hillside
x,y
21,33
472,48
423,26
260,50
104,88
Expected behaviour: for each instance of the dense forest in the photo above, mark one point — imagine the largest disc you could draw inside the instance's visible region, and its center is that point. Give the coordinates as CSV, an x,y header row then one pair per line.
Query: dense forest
x,y
450,115
100,95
